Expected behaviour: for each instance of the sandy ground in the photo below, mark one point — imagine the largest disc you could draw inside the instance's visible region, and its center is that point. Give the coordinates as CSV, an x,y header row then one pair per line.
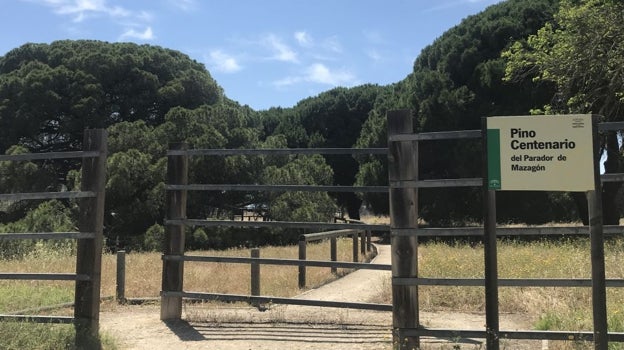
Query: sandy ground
x,y
295,327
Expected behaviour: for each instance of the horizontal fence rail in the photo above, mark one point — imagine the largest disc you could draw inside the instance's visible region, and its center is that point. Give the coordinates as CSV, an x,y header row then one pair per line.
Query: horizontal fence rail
x,y
278,300
504,282
51,155
46,195
283,224
38,319
283,262
47,235
277,188
508,334
438,135
278,151
44,276
504,231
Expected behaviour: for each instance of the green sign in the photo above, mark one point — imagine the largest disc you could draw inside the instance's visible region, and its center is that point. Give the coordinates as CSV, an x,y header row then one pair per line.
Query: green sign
x,y
543,153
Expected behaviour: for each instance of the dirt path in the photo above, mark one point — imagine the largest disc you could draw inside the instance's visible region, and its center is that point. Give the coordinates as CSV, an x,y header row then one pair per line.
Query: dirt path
x,y
293,327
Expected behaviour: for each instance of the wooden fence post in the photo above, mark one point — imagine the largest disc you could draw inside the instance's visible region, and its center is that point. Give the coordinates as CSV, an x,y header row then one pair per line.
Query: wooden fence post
x,y
302,256
355,237
363,243
403,167
596,234
492,326
173,271
89,250
121,277
255,273
369,244
333,247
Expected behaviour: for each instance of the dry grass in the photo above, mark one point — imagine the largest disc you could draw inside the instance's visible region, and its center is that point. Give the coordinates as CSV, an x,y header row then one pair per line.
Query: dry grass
x,y
144,270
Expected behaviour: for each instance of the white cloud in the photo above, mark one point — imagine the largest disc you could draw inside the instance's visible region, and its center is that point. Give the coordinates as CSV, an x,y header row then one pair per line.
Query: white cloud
x,y
320,74
184,5
288,81
79,10
282,52
223,62
332,44
147,34
374,55
304,39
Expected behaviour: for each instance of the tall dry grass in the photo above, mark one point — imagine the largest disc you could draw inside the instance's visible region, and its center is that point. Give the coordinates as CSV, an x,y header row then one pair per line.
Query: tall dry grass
x,y
144,271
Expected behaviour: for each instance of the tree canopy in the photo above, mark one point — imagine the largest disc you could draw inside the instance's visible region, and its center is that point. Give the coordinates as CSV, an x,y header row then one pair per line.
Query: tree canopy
x,y
50,93
581,53
456,81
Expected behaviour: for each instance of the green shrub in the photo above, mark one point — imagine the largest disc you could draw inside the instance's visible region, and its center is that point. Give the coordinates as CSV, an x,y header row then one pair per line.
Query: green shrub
x,y
153,238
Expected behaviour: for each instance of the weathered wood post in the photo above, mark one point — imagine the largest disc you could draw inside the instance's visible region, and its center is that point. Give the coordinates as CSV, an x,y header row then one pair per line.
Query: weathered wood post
x,y
121,277
255,273
492,326
333,247
363,243
302,256
354,237
369,244
599,292
173,271
403,168
89,250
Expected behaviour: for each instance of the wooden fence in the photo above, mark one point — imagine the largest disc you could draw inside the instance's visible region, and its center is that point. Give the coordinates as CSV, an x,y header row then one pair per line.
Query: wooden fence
x,y
404,185
89,237
365,246
172,292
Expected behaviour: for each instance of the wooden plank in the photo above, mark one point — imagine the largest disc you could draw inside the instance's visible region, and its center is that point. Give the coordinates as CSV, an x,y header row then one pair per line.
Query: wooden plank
x,y
49,155
173,271
438,135
611,126
505,282
120,290
284,224
513,334
467,182
505,231
278,151
492,324
37,319
255,272
89,251
616,177
277,188
596,234
273,261
46,195
319,236
44,276
403,166
505,334
280,300
303,254
47,235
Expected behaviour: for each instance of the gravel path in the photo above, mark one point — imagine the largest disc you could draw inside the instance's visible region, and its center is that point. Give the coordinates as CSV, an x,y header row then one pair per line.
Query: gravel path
x,y
293,327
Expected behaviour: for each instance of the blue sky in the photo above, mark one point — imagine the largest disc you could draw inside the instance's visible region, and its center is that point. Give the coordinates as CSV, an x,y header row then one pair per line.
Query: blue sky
x,y
264,53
